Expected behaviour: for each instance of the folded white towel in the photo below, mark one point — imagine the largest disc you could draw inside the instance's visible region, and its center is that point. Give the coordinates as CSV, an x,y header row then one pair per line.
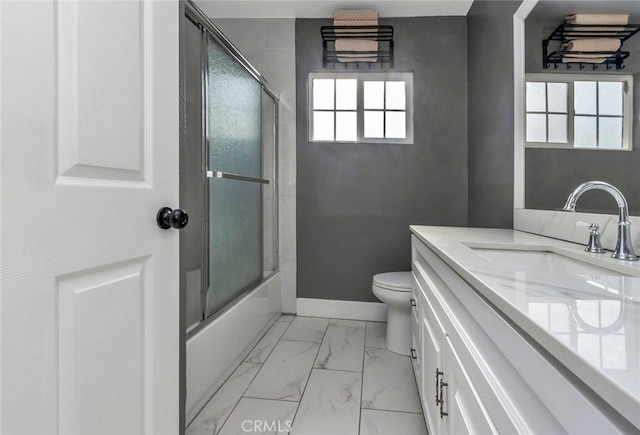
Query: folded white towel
x,y
571,59
355,15
592,44
364,48
607,19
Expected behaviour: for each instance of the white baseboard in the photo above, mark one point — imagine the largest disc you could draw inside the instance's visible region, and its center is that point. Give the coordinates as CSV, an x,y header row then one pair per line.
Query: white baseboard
x,y
371,311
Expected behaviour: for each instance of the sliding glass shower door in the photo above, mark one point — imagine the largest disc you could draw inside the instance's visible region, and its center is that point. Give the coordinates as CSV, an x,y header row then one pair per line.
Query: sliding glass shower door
x,y
234,176
236,180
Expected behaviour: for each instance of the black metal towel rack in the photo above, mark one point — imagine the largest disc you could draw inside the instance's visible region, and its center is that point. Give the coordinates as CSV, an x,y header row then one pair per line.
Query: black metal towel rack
x,y
382,34
568,32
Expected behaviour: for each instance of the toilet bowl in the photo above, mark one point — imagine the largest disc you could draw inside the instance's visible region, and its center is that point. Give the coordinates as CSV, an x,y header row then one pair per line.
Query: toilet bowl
x,y
394,289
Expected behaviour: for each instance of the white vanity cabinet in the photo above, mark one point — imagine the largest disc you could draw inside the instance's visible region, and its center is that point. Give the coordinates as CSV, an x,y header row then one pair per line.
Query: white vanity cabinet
x,y
477,372
449,400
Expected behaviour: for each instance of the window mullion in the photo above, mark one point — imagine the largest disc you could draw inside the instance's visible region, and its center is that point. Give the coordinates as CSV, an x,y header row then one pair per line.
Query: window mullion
x,y
597,114
360,109
384,109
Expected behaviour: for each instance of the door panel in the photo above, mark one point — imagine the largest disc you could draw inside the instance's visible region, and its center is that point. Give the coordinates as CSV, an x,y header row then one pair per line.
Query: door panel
x,y
467,414
101,323
89,320
103,85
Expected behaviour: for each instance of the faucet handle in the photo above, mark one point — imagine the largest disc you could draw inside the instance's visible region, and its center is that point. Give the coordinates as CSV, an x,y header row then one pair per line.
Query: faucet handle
x,y
594,246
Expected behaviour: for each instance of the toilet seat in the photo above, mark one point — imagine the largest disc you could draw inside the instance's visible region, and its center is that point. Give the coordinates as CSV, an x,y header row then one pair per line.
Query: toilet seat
x,y
394,281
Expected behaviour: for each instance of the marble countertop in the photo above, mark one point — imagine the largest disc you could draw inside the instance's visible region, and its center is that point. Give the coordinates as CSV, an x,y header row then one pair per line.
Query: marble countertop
x,y
589,320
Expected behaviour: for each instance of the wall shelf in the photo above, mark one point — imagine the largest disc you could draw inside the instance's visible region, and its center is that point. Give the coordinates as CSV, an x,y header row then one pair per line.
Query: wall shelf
x,y
381,54
565,33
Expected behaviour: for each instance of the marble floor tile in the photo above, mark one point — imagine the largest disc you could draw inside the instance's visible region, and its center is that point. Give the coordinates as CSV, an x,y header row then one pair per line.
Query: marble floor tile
x,y
284,374
286,318
331,404
341,349
388,382
306,329
261,416
264,347
350,323
376,422
376,335
213,415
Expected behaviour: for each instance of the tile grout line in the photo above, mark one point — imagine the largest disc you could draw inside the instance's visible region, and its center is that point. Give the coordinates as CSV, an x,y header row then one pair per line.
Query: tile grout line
x,y
239,399
364,351
393,410
309,377
274,346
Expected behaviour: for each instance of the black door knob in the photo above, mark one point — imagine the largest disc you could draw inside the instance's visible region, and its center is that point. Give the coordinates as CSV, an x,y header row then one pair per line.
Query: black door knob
x,y
168,218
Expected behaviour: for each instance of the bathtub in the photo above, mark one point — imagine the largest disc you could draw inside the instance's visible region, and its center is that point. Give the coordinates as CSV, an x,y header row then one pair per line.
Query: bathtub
x,y
214,351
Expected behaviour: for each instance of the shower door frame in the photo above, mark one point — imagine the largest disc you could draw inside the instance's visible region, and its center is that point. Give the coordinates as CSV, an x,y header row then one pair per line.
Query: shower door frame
x,y
209,30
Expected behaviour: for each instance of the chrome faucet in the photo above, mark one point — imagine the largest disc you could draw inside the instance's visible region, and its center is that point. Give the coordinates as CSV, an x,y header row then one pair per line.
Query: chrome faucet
x,y
624,248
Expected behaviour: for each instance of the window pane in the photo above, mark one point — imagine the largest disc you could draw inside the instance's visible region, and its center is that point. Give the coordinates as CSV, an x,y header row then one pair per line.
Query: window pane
x,y
396,125
395,94
346,94
610,133
322,125
323,94
610,98
584,98
536,127
557,95
558,128
584,132
536,99
373,124
346,126
374,95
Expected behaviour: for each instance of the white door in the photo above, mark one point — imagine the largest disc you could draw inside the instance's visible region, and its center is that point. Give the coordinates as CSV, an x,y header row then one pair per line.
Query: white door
x,y
89,153
466,412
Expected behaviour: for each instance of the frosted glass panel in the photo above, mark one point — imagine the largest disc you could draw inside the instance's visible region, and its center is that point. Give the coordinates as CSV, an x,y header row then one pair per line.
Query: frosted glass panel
x,y
235,238
323,126
557,96
396,96
610,133
610,98
558,128
585,132
536,127
373,124
584,96
536,97
269,192
192,187
346,94
323,94
346,126
235,112
374,95
396,125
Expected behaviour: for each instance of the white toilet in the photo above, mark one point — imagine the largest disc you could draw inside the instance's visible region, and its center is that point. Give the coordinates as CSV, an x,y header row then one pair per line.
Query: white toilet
x,y
394,289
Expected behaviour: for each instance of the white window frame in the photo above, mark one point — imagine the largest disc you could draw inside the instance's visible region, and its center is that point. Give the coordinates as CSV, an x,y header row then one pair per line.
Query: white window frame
x,y
627,107
361,77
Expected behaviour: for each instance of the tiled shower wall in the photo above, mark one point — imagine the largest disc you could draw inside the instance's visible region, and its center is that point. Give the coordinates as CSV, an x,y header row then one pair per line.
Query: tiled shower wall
x,y
269,44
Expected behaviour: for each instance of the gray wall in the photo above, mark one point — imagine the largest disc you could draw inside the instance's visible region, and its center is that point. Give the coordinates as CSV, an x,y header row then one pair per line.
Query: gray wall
x,y
356,201
552,173
490,87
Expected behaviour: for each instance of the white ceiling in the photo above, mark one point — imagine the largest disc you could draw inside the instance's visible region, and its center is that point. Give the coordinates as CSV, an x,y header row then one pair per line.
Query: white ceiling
x,y
325,8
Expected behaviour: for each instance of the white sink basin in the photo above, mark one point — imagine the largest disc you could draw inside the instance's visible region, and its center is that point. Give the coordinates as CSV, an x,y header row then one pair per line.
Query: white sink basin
x,y
544,262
